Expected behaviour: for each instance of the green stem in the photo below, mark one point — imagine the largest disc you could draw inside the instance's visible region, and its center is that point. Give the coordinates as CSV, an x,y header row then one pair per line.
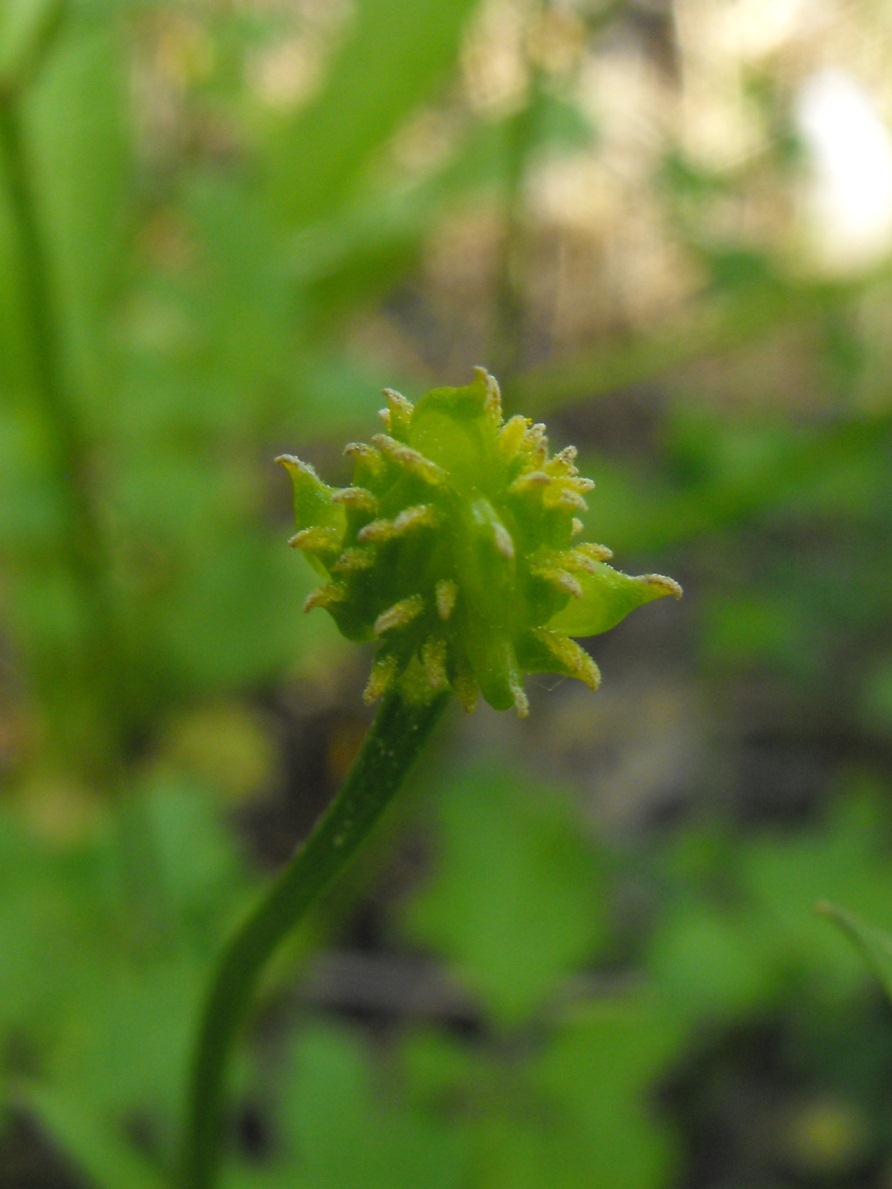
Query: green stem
x,y
392,745
80,540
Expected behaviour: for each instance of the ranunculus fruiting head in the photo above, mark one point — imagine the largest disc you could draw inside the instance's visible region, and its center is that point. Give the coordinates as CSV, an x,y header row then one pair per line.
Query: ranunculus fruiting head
x,y
454,550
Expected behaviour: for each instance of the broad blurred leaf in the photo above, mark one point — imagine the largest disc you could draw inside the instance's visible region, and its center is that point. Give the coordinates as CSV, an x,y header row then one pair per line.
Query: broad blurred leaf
x,y
711,962
599,1071
845,863
516,899
105,942
345,1130
741,931
572,1107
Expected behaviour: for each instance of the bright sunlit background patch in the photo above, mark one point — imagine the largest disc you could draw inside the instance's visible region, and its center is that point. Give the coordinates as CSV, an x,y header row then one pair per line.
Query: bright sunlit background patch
x,y
847,206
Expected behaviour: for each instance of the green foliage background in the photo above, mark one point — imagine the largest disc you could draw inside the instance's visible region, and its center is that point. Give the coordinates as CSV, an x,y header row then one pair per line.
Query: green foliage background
x,y
594,960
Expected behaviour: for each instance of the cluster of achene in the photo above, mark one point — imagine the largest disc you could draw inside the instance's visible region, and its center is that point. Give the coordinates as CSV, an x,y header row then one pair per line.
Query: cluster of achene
x,y
454,549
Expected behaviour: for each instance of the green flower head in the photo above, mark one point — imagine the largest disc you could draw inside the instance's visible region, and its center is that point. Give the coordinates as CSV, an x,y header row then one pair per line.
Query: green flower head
x,y
454,550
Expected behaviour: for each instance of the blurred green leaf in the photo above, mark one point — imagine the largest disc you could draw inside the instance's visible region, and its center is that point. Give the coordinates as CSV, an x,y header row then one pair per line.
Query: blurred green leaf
x,y
345,1129
874,945
755,629
574,1111
718,476
106,1158
516,901
739,931
712,962
233,618
877,697
599,1070
25,28
106,990
77,145
245,310
15,360
844,862
394,58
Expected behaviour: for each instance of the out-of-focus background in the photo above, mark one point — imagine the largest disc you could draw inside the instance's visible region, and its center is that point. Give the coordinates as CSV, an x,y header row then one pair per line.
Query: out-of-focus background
x,y
585,953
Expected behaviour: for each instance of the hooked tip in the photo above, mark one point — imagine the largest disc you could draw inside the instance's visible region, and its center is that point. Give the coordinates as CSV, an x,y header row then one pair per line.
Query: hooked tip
x,y
668,585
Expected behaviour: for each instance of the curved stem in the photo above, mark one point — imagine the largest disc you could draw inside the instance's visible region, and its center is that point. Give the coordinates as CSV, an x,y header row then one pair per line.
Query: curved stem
x,y
393,743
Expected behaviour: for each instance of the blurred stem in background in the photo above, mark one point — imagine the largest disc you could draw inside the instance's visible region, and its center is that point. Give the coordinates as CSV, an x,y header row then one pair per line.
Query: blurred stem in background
x,y
65,449
97,664
715,327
